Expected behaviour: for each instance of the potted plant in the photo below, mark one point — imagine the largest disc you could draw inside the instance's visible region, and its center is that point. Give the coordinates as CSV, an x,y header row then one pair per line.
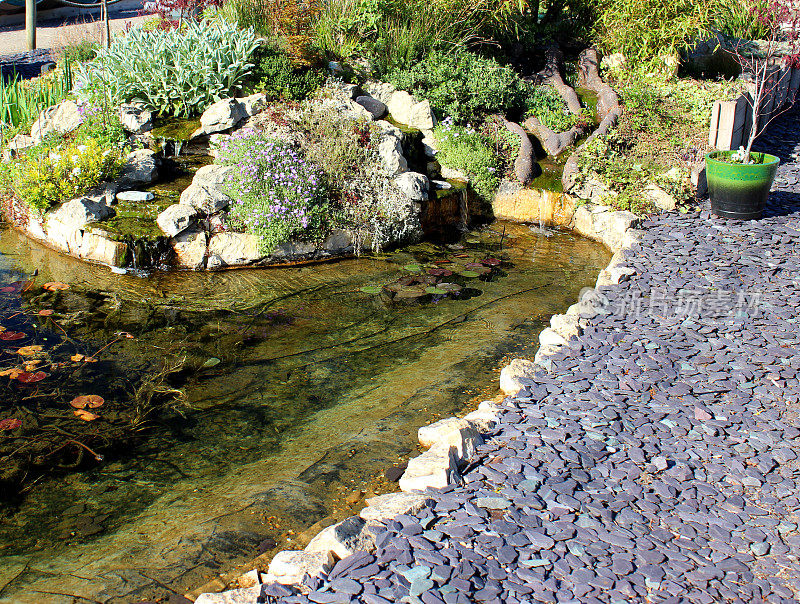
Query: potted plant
x,y
739,182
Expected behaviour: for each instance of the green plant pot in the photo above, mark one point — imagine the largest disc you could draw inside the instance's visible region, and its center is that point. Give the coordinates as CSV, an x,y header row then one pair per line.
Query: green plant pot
x,y
739,191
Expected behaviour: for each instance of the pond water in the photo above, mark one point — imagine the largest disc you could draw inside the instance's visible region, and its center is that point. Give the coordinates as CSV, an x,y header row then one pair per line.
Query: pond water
x,y
320,387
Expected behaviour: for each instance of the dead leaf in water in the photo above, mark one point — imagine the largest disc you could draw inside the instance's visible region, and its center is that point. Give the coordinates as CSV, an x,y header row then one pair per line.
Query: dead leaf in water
x,y
52,286
10,423
28,351
46,312
10,336
86,416
11,373
93,401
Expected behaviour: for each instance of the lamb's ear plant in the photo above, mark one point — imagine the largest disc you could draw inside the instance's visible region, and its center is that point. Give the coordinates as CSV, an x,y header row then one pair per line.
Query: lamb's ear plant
x,y
768,66
175,72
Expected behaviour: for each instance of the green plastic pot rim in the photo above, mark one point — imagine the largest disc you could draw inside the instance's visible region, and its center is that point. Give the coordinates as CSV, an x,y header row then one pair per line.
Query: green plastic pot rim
x,y
712,156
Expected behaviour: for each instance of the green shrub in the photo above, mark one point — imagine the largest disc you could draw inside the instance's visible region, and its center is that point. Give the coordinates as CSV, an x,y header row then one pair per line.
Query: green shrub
x,y
279,78
649,30
464,149
83,51
174,72
547,105
463,85
44,176
277,193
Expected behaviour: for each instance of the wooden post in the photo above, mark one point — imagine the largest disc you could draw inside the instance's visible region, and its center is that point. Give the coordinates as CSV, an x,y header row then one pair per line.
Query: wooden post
x,y
30,24
106,24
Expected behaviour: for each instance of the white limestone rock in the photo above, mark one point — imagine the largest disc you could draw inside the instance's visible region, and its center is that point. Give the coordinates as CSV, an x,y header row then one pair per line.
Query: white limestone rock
x,y
176,219
246,595
99,248
391,153
512,373
61,119
415,186
140,168
344,538
289,567
435,468
135,196
386,507
220,116
235,248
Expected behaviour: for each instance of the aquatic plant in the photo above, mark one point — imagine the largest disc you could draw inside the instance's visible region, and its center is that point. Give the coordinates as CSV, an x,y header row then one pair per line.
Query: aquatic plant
x,y
173,72
277,193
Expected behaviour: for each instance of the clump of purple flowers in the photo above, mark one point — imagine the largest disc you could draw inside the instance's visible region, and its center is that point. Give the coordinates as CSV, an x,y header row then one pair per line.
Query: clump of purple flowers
x,y
277,194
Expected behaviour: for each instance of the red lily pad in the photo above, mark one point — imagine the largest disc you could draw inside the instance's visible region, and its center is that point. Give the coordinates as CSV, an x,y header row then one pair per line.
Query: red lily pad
x,y
31,378
10,423
440,272
10,336
491,261
8,289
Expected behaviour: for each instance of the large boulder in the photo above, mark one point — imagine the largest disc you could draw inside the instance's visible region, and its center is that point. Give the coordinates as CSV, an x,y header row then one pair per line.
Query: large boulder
x,y
99,248
135,118
415,186
390,150
190,248
405,109
79,212
60,119
176,219
255,103
140,168
205,194
221,116
235,248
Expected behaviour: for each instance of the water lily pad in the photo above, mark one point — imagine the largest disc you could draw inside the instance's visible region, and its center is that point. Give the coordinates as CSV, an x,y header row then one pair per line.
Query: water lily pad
x,y
371,289
472,240
211,362
414,268
10,423
473,265
93,401
10,336
450,288
440,272
85,415
28,351
491,261
8,289
469,274
436,291
55,286
26,377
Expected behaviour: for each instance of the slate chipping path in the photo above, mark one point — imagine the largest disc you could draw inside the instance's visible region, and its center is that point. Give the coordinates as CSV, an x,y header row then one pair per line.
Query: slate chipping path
x,y
656,462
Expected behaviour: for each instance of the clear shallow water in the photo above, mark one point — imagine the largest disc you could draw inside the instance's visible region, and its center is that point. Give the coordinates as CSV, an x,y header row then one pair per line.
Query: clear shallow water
x,y
320,388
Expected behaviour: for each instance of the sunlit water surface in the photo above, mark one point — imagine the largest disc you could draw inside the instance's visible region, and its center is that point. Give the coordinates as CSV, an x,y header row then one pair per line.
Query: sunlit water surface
x,y
320,388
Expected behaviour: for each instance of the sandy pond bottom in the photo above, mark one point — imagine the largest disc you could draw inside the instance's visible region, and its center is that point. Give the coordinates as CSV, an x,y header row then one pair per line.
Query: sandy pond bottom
x,y
320,388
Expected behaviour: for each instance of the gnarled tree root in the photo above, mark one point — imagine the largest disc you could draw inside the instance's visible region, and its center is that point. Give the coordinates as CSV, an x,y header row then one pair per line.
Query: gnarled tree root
x,y
525,166
608,110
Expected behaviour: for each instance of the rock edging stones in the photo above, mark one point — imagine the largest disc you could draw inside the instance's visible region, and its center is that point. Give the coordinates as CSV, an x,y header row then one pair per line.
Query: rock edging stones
x,y
451,442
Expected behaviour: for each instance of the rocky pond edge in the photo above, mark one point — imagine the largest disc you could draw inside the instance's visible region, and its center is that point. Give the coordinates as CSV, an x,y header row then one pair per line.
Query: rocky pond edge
x,y
451,443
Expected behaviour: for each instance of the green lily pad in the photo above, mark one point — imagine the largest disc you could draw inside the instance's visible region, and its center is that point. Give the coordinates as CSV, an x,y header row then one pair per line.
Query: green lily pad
x,y
469,274
436,291
211,362
414,268
371,289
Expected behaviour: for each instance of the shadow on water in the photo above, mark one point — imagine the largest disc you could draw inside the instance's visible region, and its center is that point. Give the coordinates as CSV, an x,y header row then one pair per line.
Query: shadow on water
x,y
319,387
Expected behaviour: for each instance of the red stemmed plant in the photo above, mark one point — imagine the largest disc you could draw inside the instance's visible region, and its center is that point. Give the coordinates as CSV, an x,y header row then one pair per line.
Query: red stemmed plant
x,y
781,19
174,12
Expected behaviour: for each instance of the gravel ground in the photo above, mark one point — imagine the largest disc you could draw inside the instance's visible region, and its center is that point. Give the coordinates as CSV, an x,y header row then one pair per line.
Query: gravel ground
x,y
655,462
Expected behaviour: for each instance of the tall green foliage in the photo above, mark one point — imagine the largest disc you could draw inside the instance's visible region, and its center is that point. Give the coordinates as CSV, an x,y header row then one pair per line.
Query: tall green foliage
x,y
736,19
646,30
21,101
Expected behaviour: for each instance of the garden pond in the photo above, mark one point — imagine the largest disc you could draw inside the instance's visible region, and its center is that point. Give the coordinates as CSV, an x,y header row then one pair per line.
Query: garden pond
x,y
302,385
